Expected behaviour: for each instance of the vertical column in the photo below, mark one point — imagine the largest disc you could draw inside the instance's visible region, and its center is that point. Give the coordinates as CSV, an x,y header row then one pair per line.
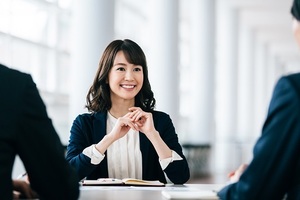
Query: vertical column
x,y
226,86
245,119
163,58
260,74
202,74
92,30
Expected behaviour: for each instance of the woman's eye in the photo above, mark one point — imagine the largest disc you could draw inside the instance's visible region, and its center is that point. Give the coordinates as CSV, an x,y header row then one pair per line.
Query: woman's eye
x,y
137,69
120,69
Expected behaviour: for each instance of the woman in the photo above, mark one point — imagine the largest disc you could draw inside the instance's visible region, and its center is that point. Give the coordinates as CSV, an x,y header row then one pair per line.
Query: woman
x,y
122,136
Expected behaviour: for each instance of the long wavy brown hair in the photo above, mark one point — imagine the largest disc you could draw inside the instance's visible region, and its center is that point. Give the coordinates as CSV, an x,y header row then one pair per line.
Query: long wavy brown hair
x,y
98,96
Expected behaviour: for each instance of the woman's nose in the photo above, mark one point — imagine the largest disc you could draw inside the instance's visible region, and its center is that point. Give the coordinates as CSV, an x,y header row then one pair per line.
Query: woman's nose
x,y
129,75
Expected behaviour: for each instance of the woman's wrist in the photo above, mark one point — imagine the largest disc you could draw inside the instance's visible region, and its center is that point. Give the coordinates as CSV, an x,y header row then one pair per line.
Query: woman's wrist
x,y
152,134
104,143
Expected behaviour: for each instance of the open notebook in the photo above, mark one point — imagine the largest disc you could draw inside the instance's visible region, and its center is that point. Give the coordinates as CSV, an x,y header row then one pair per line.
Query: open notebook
x,y
196,195
125,181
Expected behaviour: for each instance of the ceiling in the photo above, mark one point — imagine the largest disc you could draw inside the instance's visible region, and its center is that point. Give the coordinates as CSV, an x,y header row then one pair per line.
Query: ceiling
x,y
271,22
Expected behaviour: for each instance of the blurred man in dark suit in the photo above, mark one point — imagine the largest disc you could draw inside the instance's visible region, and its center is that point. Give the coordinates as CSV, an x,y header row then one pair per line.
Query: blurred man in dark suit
x,y
27,131
274,172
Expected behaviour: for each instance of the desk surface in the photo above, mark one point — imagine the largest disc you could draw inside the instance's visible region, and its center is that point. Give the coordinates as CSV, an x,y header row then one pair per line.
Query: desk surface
x,y
138,193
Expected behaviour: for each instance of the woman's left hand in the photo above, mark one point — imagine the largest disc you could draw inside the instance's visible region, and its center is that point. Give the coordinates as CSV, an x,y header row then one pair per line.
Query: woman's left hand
x,y
144,123
143,120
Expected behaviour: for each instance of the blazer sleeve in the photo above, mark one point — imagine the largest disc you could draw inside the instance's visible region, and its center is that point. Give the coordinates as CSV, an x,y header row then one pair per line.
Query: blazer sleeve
x,y
40,148
177,171
276,153
79,140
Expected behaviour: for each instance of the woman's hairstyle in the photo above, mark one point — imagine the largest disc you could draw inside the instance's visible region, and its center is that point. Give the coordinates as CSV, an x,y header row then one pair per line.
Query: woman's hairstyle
x,y
98,97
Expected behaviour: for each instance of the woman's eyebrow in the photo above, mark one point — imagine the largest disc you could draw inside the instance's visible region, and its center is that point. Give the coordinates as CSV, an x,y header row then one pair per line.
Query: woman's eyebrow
x,y
123,64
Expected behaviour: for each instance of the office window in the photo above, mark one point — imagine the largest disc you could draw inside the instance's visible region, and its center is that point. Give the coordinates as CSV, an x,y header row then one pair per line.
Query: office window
x,y
34,39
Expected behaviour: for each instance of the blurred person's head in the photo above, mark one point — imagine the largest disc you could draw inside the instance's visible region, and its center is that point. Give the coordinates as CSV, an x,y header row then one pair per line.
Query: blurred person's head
x,y
295,10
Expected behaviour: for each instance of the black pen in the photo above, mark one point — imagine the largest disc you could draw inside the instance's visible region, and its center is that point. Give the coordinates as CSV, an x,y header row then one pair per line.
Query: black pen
x,y
22,175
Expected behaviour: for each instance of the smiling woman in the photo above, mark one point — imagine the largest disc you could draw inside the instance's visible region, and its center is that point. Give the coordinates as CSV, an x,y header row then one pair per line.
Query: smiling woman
x,y
122,136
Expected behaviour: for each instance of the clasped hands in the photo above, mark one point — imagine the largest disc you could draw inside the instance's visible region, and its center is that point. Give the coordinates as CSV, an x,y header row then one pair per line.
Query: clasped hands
x,y
135,119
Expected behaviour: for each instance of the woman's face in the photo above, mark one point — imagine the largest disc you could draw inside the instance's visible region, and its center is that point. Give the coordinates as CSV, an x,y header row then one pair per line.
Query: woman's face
x,y
296,30
125,79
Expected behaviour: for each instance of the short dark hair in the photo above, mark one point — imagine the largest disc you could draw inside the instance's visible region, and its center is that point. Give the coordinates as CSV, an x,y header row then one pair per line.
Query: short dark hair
x,y
98,97
295,10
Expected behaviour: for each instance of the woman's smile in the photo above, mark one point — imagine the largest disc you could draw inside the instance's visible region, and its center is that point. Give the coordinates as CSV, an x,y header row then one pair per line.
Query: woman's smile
x,y
127,86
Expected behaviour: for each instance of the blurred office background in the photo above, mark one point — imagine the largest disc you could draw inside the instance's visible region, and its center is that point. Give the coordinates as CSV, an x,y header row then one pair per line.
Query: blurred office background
x,y
212,63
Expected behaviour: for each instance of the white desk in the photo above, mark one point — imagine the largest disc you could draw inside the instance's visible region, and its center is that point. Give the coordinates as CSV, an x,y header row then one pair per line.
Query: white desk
x,y
138,193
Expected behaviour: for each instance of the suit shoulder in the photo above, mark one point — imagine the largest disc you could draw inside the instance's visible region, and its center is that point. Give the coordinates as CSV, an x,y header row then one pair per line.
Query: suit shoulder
x,y
292,80
12,72
84,116
161,117
89,117
156,113
12,76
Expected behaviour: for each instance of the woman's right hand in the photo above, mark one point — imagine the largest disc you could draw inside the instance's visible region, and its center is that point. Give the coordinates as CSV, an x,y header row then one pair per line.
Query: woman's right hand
x,y
122,126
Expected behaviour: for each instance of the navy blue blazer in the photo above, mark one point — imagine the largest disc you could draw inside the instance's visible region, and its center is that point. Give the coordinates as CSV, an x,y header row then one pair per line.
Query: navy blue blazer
x,y
89,129
27,131
275,168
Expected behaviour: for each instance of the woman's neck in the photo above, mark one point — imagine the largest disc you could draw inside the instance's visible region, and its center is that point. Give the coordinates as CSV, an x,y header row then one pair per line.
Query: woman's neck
x,y
120,109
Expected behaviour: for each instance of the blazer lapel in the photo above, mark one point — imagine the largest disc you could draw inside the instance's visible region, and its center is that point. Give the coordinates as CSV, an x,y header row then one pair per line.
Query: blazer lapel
x,y
144,146
99,132
99,126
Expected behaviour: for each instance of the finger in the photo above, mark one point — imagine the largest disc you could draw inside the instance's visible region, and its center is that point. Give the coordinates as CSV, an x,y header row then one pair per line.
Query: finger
x,y
131,125
139,123
132,114
26,190
242,168
16,195
137,126
137,117
231,174
132,109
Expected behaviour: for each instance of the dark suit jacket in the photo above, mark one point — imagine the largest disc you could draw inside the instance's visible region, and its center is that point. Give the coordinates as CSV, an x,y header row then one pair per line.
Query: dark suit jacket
x,y
275,168
26,130
89,129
